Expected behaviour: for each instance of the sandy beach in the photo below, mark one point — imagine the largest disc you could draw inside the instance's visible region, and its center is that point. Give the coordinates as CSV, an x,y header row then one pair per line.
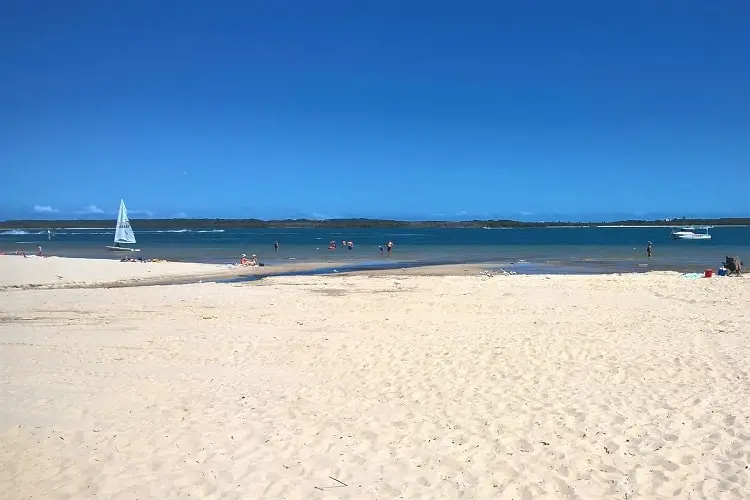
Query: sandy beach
x,y
63,272
380,385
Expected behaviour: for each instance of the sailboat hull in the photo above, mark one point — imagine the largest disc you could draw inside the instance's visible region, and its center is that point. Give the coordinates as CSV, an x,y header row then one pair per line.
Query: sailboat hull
x,y
122,249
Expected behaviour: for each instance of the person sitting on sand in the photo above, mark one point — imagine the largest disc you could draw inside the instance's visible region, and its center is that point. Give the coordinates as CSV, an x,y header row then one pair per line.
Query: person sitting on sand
x,y
734,266
244,261
39,252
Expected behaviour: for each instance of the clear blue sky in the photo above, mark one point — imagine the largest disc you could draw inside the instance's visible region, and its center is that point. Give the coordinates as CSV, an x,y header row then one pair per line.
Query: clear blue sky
x,y
374,108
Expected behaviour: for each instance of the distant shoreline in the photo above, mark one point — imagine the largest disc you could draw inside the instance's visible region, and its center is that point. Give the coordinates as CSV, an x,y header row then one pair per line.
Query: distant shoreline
x,y
358,224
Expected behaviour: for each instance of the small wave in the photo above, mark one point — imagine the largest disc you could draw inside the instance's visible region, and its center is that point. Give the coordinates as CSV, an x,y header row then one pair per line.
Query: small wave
x,y
160,231
91,231
183,231
17,232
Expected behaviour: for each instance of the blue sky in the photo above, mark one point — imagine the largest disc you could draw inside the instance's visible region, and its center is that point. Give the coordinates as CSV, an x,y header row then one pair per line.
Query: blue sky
x,y
383,109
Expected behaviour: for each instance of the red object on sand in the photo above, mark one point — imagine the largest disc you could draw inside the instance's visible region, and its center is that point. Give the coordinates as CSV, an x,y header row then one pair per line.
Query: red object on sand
x,y
708,273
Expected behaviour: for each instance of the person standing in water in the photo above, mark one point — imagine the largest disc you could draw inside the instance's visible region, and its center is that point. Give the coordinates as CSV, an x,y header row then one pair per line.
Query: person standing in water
x,y
276,246
649,248
389,246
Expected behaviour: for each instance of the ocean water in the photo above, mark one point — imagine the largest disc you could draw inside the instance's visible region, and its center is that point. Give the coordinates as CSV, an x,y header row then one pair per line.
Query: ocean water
x,y
568,250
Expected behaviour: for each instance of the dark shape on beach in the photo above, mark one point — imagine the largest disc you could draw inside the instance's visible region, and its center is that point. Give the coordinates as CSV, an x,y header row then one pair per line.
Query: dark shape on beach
x,y
733,265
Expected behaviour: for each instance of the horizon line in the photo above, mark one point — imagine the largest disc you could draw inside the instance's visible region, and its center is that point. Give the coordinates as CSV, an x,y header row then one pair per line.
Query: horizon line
x,y
382,220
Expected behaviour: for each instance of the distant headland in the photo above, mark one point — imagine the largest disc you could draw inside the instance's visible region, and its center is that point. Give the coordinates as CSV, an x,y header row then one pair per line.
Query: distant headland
x,y
357,223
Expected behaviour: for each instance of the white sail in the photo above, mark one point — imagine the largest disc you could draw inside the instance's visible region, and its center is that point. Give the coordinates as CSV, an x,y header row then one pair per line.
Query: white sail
x,y
123,231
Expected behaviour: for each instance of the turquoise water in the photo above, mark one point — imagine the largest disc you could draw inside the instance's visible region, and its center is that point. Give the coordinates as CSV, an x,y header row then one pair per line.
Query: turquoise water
x,y
572,250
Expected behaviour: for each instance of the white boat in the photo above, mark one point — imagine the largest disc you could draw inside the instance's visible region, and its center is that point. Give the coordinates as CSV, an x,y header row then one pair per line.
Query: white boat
x,y
690,233
123,232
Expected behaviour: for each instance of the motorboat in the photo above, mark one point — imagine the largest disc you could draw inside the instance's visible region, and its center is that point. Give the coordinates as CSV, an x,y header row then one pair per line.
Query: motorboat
x,y
691,233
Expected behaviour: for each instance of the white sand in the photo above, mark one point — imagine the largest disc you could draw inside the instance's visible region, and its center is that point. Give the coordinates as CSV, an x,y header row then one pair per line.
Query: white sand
x,y
34,272
399,387
39,271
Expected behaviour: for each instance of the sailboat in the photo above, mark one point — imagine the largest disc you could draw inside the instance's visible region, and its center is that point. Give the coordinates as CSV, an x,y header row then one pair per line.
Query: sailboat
x,y
123,232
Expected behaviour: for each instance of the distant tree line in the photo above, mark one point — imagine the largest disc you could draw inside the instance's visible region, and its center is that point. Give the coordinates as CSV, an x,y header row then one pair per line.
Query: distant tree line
x,y
351,223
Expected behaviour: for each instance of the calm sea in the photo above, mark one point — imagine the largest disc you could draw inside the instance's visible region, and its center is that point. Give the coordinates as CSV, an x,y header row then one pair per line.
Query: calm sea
x,y
569,250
